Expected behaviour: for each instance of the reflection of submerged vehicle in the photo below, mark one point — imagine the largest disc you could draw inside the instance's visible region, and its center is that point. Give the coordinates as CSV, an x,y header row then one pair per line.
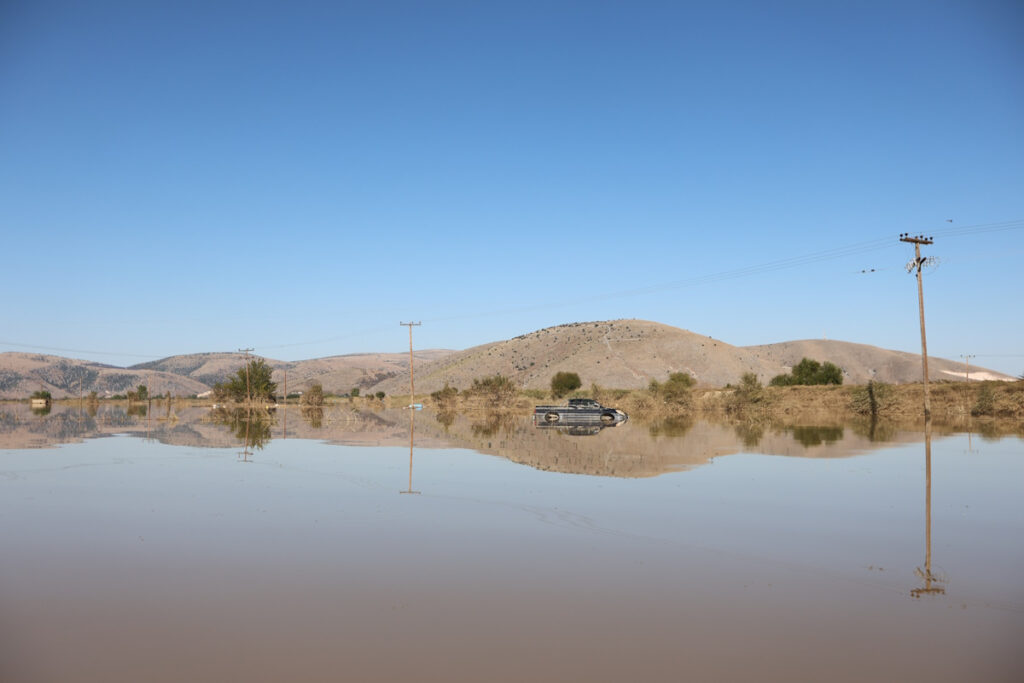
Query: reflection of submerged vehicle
x,y
580,411
577,428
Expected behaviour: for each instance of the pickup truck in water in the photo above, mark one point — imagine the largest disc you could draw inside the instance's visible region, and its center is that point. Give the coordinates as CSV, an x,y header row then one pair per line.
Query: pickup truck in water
x,y
579,410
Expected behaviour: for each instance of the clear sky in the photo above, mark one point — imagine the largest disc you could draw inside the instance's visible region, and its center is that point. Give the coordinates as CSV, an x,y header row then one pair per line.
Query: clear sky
x,y
300,177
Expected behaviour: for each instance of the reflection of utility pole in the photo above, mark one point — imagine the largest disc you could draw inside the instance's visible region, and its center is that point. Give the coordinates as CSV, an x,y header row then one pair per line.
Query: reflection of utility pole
x,y
412,391
245,449
917,263
927,575
412,430
248,387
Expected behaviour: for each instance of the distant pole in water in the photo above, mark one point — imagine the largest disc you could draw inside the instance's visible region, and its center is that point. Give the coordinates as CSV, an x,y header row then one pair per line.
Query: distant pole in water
x,y
967,365
916,264
412,389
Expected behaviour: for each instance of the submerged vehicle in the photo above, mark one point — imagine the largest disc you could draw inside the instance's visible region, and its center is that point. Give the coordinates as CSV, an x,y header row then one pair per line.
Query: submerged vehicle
x,y
579,411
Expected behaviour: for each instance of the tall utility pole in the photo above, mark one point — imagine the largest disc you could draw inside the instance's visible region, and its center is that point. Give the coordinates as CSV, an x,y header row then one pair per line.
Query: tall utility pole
x,y
412,385
248,386
917,263
967,365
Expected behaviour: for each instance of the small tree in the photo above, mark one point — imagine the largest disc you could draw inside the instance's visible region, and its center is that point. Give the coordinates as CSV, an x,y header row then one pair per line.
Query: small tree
x,y
142,392
380,395
250,380
564,382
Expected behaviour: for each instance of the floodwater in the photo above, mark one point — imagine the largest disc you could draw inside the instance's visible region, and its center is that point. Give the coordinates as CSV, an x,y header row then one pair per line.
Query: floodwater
x,y
336,546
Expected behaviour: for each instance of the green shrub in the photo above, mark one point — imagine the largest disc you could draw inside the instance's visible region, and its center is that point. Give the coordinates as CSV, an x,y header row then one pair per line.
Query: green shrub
x,y
564,382
810,372
675,390
985,404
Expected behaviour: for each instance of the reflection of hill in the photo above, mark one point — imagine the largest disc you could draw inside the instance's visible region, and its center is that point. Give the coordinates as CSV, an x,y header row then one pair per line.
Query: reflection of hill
x,y
632,449
637,450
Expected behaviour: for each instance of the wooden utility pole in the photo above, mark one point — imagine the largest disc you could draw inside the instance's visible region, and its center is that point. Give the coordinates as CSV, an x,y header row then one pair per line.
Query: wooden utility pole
x,y
248,386
967,365
412,386
917,264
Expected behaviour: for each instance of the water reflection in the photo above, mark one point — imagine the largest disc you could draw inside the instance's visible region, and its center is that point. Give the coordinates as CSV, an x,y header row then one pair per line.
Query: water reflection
x,y
750,433
251,427
671,426
494,424
508,560
314,416
815,435
412,432
931,581
631,449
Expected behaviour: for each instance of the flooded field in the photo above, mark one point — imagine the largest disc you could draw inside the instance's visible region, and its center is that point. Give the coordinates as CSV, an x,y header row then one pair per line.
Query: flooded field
x,y
383,546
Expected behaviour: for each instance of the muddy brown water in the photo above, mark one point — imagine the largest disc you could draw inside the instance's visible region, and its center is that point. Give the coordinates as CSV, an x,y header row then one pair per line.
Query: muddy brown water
x,y
135,549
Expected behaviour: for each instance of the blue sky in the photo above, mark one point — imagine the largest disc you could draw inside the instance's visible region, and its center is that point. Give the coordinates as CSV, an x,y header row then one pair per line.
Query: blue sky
x,y
300,177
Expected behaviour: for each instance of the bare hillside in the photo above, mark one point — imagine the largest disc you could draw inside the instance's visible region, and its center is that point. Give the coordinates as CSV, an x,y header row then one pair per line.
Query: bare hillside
x,y
616,353
861,362
337,374
23,373
628,354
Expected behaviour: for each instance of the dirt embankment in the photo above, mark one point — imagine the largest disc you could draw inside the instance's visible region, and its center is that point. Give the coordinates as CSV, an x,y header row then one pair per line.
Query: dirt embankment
x,y
949,402
905,402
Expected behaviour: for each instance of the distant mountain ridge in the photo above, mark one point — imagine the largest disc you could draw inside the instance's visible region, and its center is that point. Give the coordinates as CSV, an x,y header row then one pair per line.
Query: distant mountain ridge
x,y
616,353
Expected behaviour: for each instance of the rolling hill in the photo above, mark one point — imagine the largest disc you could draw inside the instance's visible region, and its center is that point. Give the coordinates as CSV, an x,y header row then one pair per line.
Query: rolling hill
x,y
616,353
23,373
630,353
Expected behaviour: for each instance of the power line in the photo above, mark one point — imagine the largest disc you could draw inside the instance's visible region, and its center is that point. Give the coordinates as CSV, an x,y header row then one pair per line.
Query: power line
x,y
746,271
67,350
